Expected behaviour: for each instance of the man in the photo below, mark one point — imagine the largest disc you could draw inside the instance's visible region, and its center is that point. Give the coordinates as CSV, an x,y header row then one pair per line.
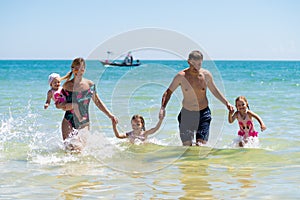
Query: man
x,y
128,59
195,115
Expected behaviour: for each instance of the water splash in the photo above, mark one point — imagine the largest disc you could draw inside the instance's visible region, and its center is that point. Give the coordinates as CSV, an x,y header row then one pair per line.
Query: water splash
x,y
252,142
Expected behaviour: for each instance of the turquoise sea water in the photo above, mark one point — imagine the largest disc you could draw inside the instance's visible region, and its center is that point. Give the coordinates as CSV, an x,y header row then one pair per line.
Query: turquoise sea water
x,y
34,165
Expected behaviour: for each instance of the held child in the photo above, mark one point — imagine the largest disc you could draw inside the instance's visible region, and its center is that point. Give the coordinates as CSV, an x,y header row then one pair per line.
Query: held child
x,y
57,94
244,116
138,129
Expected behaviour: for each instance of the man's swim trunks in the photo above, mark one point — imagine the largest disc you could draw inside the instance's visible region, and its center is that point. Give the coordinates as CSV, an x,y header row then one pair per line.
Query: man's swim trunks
x,y
194,121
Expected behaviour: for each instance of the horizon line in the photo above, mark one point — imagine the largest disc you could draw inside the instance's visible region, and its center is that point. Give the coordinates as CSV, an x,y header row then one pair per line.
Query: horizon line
x,y
161,59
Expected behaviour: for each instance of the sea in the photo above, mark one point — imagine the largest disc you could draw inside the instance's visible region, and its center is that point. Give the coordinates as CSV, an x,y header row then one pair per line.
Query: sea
x,y
35,165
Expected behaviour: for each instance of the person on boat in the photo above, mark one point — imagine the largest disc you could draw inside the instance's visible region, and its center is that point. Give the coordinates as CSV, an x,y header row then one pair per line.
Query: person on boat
x,y
80,91
128,59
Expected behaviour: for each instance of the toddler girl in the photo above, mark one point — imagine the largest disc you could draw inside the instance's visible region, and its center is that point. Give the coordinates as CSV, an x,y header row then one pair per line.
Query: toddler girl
x,y
58,95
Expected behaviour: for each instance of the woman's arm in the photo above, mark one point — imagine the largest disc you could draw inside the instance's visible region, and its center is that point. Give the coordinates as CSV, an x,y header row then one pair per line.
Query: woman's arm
x,y
102,106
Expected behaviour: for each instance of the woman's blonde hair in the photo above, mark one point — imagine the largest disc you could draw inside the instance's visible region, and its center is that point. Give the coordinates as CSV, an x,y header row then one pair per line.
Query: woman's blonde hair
x,y
76,62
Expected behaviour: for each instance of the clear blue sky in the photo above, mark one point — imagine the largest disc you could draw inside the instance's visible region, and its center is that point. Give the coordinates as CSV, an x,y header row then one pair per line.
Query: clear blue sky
x,y
229,29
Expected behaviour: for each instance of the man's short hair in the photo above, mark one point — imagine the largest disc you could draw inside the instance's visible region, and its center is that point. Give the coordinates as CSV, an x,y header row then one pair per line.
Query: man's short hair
x,y
195,55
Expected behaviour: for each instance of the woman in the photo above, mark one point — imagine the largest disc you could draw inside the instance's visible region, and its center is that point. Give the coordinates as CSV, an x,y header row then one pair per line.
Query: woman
x,y
80,91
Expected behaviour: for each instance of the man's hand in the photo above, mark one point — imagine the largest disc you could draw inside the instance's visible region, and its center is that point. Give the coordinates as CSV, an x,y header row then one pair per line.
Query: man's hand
x,y
162,113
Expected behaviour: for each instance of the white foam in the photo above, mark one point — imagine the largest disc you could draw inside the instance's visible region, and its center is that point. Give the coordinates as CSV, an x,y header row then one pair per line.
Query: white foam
x,y
252,142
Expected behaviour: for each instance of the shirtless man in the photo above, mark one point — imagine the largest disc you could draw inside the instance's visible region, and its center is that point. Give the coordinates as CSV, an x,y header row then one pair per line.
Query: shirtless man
x,y
195,115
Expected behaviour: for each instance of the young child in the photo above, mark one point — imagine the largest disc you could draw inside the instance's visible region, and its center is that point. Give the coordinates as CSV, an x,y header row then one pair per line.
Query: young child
x,y
138,129
244,116
57,94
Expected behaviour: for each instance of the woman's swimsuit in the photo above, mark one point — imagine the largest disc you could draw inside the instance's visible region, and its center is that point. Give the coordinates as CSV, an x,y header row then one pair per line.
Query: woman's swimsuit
x,y
246,126
82,99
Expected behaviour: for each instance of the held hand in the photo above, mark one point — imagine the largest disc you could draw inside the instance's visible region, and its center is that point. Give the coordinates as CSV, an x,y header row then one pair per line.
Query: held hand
x,y
231,112
161,117
113,122
162,113
114,119
230,107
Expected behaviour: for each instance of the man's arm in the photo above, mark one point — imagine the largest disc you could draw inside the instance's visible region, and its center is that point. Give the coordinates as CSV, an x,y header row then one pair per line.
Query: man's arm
x,y
216,92
166,97
168,93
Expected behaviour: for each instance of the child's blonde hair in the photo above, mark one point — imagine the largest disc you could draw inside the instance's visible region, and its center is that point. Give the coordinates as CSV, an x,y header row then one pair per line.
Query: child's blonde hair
x,y
242,98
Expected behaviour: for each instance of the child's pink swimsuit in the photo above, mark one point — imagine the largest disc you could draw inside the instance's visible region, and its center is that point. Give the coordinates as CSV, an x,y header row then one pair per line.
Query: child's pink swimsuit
x,y
246,126
58,95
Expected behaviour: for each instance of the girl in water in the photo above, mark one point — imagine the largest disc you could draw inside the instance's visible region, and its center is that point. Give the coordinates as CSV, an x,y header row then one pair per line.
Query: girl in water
x,y
138,129
244,116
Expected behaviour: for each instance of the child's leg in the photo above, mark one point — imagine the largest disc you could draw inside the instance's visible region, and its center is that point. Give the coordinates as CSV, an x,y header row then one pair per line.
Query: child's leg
x,y
241,144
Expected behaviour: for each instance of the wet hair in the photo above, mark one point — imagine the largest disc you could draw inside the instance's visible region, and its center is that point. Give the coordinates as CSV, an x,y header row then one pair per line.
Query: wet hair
x,y
242,98
76,62
195,55
135,117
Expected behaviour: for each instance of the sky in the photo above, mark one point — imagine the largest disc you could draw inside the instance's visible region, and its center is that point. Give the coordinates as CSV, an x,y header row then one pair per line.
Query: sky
x,y
225,29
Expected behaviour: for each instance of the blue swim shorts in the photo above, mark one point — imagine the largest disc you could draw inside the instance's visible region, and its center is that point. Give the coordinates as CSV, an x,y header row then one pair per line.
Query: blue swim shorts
x,y
194,121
